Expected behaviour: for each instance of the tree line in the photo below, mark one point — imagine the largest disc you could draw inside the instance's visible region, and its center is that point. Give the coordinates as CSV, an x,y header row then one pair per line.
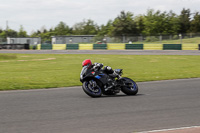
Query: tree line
x,y
154,22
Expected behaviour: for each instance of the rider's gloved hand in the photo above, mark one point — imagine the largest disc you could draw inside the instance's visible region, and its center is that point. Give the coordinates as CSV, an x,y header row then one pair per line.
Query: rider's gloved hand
x,y
109,68
97,66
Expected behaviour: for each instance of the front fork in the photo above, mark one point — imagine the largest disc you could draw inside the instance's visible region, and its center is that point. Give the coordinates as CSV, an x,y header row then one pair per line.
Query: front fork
x,y
93,83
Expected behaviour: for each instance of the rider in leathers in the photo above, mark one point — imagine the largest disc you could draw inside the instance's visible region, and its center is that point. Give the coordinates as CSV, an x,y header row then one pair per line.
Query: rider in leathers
x,y
98,66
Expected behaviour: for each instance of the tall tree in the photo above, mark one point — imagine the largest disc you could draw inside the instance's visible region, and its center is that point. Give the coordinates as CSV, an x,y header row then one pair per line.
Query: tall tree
x,y
173,23
155,22
1,30
184,21
195,23
140,23
86,27
22,32
8,33
62,29
106,29
124,24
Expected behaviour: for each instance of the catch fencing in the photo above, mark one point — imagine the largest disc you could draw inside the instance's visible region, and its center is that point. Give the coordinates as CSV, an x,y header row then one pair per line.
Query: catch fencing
x,y
137,39
178,38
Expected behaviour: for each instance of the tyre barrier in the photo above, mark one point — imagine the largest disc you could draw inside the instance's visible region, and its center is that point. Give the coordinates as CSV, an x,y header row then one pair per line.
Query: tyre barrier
x,y
134,46
14,46
100,46
118,46
72,46
46,46
172,46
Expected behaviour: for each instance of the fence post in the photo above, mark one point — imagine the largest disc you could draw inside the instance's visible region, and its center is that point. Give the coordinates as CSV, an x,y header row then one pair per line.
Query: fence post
x,y
123,40
160,39
141,38
180,36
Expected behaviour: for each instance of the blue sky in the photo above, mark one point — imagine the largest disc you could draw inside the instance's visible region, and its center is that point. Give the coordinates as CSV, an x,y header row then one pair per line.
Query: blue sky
x,y
34,14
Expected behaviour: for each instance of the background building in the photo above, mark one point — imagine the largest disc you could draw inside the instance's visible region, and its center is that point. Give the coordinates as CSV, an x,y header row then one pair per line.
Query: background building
x,y
72,39
24,40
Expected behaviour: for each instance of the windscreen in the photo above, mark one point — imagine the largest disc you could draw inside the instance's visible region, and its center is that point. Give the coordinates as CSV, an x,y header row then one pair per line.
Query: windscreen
x,y
83,71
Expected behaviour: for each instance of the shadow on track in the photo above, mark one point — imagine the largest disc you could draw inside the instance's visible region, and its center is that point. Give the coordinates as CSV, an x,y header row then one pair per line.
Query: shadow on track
x,y
120,95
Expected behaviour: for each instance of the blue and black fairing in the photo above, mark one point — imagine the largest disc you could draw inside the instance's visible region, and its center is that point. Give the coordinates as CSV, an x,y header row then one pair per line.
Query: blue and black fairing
x,y
102,77
87,74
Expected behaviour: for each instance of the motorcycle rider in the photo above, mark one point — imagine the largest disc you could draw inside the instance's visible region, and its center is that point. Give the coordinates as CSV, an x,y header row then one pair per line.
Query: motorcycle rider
x,y
107,69
98,80
96,66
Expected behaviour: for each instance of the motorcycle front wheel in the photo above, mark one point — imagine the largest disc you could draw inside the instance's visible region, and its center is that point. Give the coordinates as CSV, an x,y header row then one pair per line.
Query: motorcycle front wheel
x,y
129,87
91,88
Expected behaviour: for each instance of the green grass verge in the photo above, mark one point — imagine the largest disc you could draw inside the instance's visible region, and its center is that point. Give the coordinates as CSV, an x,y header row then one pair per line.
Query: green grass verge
x,y
31,71
177,41
7,57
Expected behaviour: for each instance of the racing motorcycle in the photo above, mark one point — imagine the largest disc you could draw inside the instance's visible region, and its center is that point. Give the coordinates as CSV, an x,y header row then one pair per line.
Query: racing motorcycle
x,y
97,82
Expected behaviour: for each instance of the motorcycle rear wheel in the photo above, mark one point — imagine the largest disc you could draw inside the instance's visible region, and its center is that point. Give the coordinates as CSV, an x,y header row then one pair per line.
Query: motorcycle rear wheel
x,y
90,90
130,87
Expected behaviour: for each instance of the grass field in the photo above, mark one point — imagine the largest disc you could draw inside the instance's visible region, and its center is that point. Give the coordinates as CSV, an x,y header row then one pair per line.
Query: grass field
x,y
31,71
195,40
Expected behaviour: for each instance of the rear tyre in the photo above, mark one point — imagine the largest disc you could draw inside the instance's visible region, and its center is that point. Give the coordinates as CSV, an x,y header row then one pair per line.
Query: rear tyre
x,y
130,87
91,88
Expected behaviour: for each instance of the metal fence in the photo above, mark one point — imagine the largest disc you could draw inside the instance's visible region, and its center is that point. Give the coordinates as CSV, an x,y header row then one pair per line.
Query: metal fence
x,y
135,39
178,38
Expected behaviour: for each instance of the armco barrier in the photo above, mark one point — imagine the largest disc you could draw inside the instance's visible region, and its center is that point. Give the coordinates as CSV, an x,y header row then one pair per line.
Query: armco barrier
x,y
172,46
46,46
72,46
153,47
59,46
85,46
99,46
115,46
105,46
189,46
134,46
38,46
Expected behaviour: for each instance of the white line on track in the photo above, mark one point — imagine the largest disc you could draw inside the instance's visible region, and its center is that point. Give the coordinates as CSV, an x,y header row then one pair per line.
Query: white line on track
x,y
43,89
171,129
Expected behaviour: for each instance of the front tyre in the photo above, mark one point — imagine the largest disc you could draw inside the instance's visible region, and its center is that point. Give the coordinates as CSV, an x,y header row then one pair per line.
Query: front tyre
x,y
91,88
129,86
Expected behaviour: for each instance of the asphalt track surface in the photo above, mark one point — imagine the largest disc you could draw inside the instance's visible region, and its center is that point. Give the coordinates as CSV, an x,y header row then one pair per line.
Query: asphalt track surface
x,y
122,52
158,105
